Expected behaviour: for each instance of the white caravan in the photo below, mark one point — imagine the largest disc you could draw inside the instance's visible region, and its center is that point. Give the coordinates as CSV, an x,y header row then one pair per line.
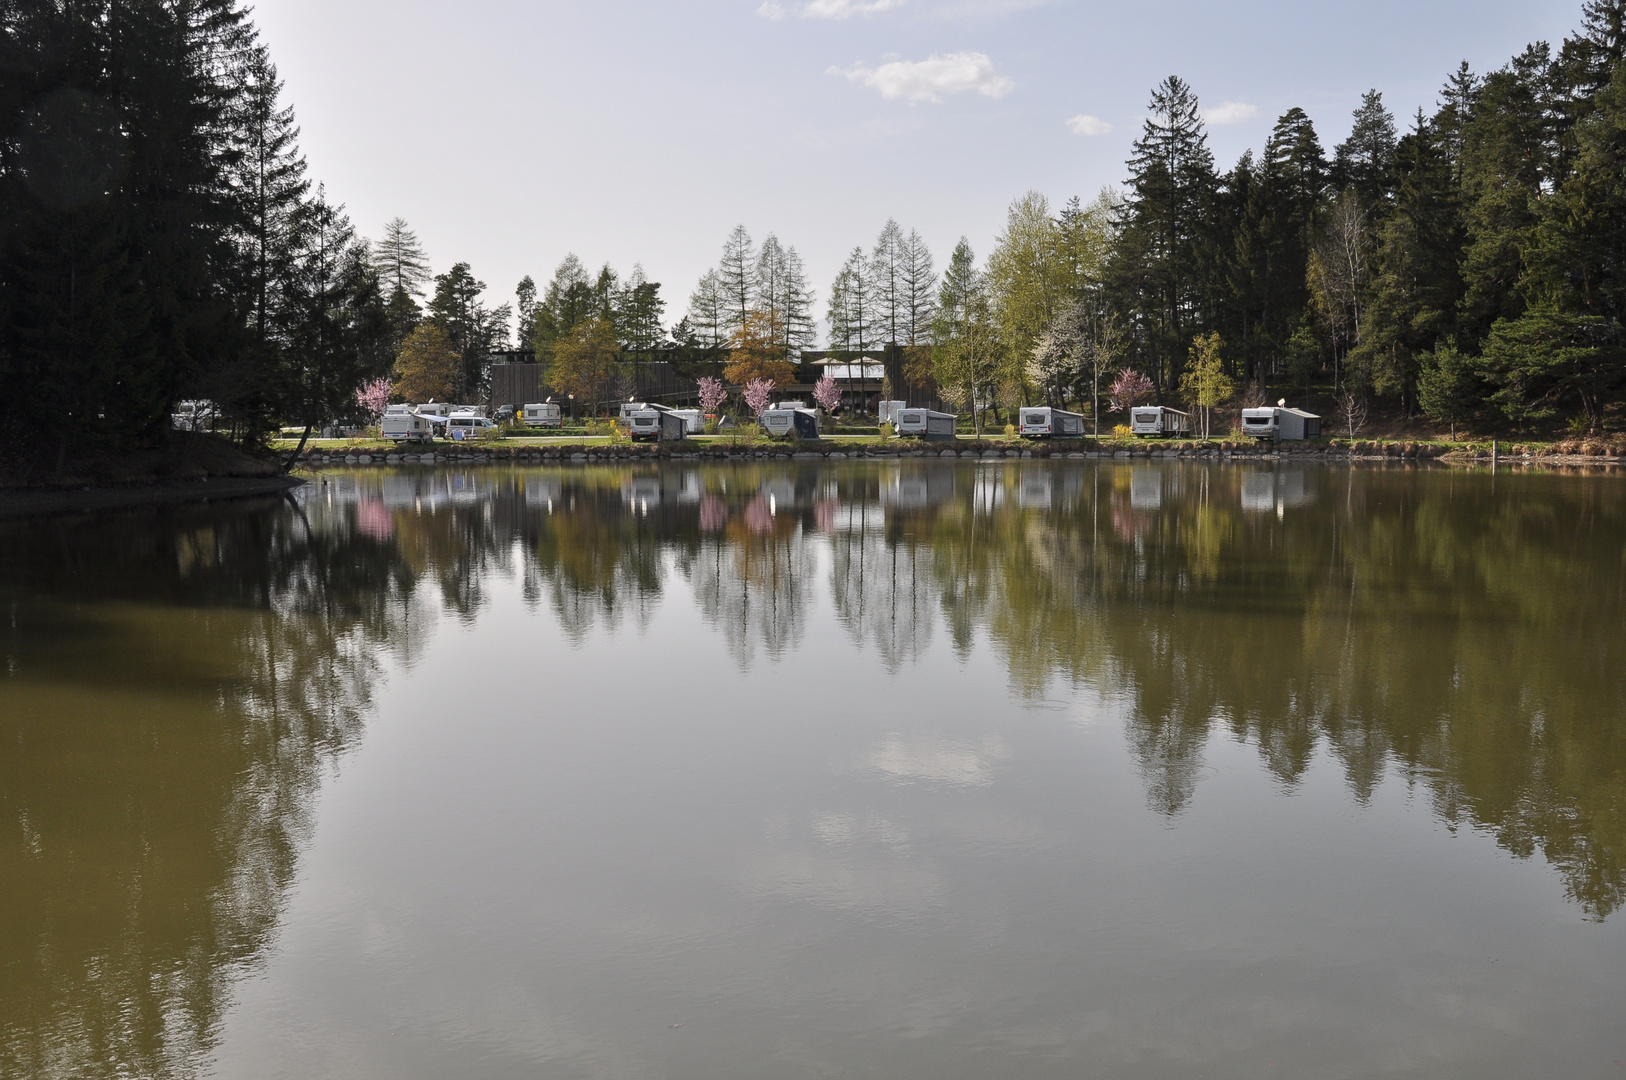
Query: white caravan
x,y
923,423
791,418
541,415
402,423
1042,420
1280,423
887,411
1156,420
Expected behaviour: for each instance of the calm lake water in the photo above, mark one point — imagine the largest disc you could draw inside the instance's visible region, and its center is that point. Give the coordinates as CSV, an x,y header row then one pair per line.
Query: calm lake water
x,y
906,770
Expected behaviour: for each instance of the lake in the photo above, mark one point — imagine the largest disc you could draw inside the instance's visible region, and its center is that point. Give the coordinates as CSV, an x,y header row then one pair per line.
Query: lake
x,y
904,770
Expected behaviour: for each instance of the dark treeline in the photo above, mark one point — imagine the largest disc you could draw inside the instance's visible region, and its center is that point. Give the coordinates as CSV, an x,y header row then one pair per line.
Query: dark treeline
x,y
161,239
1464,265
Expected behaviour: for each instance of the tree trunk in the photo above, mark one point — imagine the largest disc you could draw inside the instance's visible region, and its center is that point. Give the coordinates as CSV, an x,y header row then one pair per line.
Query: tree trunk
x,y
289,464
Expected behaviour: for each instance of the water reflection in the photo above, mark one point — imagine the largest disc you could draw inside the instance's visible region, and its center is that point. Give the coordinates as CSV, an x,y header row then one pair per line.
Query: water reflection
x,y
1463,634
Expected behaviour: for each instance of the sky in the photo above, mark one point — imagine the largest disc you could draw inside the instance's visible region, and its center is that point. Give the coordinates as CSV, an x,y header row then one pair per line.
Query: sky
x,y
509,133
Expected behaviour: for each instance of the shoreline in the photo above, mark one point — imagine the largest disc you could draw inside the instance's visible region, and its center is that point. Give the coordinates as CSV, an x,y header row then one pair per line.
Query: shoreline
x,y
21,503
602,453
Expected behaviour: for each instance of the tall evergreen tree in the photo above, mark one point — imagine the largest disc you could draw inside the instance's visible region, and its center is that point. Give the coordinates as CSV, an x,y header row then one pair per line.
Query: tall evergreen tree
x,y
1365,160
1166,252
1417,285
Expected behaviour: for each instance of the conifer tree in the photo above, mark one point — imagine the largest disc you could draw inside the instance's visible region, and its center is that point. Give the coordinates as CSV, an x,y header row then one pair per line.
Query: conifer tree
x,y
887,275
851,313
1365,160
919,290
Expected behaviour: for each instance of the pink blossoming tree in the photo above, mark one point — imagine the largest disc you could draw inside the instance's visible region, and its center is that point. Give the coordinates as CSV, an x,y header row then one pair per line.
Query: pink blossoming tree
x,y
372,398
712,393
1131,388
757,394
827,394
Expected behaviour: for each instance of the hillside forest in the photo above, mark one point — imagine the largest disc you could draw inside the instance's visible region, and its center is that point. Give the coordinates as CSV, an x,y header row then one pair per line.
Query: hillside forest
x,y
161,238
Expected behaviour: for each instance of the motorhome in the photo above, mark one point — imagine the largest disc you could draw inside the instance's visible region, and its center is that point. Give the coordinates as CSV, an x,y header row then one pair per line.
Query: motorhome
x,y
1280,423
1043,421
402,423
1157,420
790,418
542,415
923,423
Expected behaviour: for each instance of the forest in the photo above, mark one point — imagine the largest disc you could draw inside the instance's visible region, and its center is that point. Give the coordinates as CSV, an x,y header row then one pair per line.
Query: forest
x,y
163,239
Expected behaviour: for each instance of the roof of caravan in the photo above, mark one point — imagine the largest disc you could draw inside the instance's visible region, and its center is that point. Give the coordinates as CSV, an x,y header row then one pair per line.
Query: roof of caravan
x,y
1301,412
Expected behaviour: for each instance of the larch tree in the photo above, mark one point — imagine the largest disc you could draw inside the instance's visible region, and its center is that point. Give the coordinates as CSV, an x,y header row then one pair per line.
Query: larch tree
x,y
919,290
736,277
851,313
887,274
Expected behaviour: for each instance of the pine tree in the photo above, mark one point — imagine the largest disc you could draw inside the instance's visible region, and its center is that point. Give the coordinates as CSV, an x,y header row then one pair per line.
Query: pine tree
x,y
1416,286
1505,164
525,303
1365,160
638,312
473,329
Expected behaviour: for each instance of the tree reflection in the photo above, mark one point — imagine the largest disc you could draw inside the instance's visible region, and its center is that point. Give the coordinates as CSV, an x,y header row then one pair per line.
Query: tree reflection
x,y
1462,633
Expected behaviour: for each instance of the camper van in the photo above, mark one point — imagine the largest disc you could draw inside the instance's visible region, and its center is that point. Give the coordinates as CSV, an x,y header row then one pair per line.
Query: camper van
x,y
1043,421
923,423
462,426
541,415
401,423
791,418
1280,423
1156,420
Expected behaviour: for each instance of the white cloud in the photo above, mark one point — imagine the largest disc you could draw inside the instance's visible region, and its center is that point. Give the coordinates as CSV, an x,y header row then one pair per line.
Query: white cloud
x,y
1085,124
828,9
1230,112
930,79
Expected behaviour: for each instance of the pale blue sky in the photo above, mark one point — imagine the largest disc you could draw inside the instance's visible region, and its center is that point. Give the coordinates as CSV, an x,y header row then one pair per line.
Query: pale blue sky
x,y
509,133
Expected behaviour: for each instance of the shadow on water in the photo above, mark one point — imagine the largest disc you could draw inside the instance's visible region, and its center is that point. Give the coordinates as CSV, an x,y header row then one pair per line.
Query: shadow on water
x,y
176,683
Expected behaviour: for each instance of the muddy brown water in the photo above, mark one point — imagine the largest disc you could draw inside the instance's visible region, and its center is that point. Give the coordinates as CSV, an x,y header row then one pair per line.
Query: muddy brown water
x,y
917,769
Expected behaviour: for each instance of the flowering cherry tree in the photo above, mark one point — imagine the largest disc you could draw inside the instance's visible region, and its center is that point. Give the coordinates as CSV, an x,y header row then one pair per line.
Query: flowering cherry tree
x,y
1131,388
372,397
712,393
827,394
758,392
